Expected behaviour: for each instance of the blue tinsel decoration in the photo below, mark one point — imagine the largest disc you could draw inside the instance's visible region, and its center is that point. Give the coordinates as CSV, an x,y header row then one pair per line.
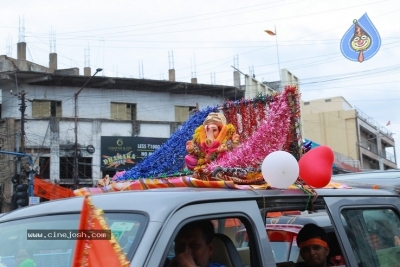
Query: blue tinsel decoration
x,y
169,158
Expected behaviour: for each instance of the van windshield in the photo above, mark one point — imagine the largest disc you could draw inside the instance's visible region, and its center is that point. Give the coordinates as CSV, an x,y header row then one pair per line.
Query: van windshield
x,y
44,250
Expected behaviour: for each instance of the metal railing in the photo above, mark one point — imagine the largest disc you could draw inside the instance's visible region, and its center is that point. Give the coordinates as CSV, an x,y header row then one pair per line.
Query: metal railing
x,y
388,156
374,149
347,160
369,145
373,123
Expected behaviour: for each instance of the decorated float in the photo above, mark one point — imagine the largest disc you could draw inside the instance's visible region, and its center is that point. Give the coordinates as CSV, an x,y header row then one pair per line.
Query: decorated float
x,y
244,144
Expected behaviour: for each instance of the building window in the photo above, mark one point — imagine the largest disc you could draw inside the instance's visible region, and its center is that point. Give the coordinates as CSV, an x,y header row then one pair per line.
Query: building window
x,y
182,113
44,167
123,111
328,100
67,168
55,109
306,103
45,108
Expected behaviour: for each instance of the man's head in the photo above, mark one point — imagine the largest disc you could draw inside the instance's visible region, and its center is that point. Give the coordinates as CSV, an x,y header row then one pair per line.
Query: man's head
x,y
196,238
313,244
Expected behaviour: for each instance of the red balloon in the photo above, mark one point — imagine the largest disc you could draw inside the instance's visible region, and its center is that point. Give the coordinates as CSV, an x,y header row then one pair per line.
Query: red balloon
x,y
316,166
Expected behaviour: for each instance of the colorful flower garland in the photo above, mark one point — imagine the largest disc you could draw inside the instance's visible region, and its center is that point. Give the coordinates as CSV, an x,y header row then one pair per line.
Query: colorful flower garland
x,y
277,132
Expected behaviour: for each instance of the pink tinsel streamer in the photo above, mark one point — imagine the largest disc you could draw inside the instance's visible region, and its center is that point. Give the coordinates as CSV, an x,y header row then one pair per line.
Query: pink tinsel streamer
x,y
272,135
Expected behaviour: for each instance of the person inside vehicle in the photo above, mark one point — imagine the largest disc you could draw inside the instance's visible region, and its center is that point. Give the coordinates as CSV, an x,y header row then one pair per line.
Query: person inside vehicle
x,y
313,244
24,259
194,246
383,235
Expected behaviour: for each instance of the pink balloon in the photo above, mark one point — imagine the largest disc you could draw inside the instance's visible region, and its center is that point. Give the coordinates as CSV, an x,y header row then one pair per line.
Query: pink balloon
x,y
316,166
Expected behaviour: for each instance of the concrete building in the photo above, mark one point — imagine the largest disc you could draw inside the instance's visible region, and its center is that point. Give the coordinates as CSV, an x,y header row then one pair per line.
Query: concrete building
x,y
106,106
253,88
363,143
287,78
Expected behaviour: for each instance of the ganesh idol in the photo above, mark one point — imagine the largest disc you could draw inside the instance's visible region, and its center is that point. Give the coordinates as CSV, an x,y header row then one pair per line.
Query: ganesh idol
x,y
210,141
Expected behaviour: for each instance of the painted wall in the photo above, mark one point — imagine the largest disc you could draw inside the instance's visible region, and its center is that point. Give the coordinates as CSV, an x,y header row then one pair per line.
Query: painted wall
x,y
95,103
325,104
336,129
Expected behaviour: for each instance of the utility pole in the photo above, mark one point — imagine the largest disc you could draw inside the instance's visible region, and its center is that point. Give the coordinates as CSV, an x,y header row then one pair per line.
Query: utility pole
x,y
21,195
22,108
76,163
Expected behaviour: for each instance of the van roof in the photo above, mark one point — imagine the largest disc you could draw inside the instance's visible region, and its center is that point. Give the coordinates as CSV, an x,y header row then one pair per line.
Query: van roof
x,y
153,202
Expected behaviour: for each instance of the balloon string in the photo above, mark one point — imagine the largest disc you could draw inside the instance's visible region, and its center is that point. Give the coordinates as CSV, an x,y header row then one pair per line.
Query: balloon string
x,y
308,201
309,193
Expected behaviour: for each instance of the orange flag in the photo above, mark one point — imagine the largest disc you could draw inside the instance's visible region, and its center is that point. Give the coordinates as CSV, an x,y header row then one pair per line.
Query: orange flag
x,y
270,32
96,252
44,189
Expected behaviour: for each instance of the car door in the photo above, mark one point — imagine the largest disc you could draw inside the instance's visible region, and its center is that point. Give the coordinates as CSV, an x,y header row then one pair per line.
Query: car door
x,y
368,229
247,211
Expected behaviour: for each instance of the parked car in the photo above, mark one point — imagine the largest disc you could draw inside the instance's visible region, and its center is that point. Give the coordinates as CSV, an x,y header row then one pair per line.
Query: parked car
x,y
389,179
152,219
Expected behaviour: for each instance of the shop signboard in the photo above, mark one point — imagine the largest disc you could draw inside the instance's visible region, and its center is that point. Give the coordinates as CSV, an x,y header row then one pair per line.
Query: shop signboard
x,y
122,153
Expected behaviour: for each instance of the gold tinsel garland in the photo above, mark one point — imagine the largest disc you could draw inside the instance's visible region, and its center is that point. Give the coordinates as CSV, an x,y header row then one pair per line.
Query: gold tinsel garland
x,y
97,214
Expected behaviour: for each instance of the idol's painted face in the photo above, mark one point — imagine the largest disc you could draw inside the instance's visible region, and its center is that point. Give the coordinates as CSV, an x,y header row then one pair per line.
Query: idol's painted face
x,y
360,42
212,131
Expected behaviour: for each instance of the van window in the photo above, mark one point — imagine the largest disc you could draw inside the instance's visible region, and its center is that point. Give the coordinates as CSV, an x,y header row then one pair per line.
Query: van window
x,y
233,229
47,251
374,235
282,228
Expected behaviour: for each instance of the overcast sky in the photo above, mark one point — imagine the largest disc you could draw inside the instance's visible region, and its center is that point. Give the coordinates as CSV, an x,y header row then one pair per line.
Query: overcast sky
x,y
205,36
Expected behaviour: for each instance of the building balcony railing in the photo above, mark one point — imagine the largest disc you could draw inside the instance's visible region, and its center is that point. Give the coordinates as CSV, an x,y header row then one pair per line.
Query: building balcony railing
x,y
373,123
374,149
369,146
347,160
388,156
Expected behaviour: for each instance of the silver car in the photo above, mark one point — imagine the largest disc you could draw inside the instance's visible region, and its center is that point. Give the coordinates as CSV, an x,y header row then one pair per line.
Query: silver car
x,y
145,224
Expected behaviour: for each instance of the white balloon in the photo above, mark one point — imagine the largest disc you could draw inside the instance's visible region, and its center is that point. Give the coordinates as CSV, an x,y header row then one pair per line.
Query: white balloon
x,y
280,169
